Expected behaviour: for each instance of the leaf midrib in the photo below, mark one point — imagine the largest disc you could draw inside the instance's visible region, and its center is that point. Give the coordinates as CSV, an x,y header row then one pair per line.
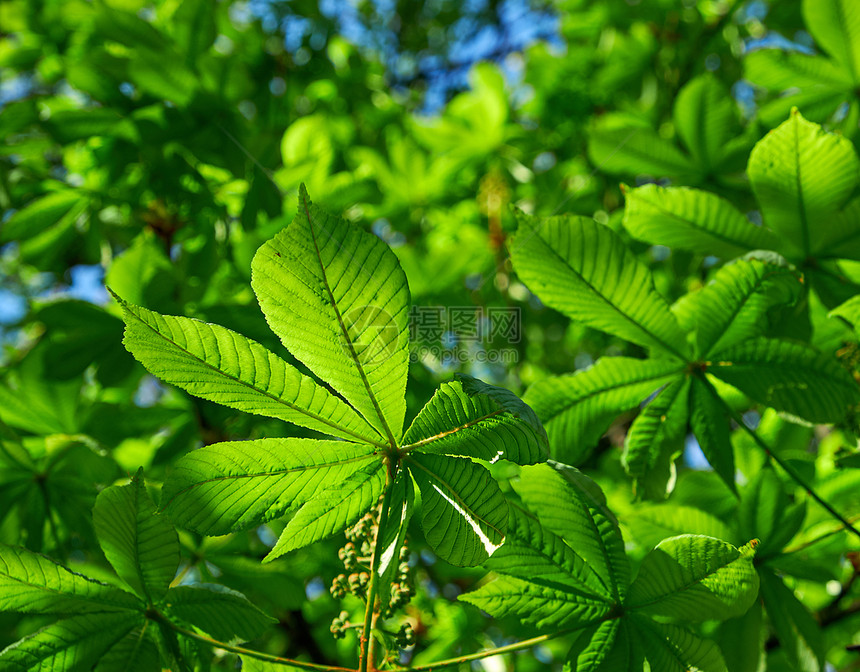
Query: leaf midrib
x,y
738,308
611,388
455,495
441,435
667,347
277,472
684,587
688,223
392,442
266,393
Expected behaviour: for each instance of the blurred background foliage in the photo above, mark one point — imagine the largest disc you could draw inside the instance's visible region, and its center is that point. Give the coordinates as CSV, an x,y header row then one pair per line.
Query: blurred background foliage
x,y
154,145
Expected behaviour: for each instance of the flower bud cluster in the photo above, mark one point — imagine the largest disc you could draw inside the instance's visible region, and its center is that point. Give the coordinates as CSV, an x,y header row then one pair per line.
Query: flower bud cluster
x,y
402,590
406,636
339,625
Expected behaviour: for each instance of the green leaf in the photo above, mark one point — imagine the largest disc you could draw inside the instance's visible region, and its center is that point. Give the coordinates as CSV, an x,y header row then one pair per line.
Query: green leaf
x,y
765,512
734,305
218,611
690,219
584,270
163,74
818,104
470,418
799,634
835,25
547,607
219,365
780,70
705,117
75,643
695,578
655,439
670,648
742,643
840,239
710,426
338,299
572,505
136,652
143,273
401,508
636,150
43,213
332,509
534,553
578,408
789,377
463,512
801,175
236,485
609,646
652,524
140,544
33,583
253,665
849,311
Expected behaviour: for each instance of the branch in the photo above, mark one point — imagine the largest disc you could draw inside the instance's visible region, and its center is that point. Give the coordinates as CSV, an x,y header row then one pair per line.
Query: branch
x,y
368,645
791,471
525,644
247,652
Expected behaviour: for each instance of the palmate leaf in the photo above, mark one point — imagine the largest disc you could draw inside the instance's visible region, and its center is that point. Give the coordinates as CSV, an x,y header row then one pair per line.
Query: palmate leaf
x,y
470,418
577,409
671,648
546,607
464,514
835,25
536,554
655,439
695,578
570,504
218,611
709,424
136,652
74,643
332,509
780,70
788,376
610,646
734,306
236,485
798,632
849,311
220,365
42,214
140,544
585,271
690,219
706,118
563,569
33,583
652,524
544,581
766,512
840,239
800,174
401,509
338,299
637,150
